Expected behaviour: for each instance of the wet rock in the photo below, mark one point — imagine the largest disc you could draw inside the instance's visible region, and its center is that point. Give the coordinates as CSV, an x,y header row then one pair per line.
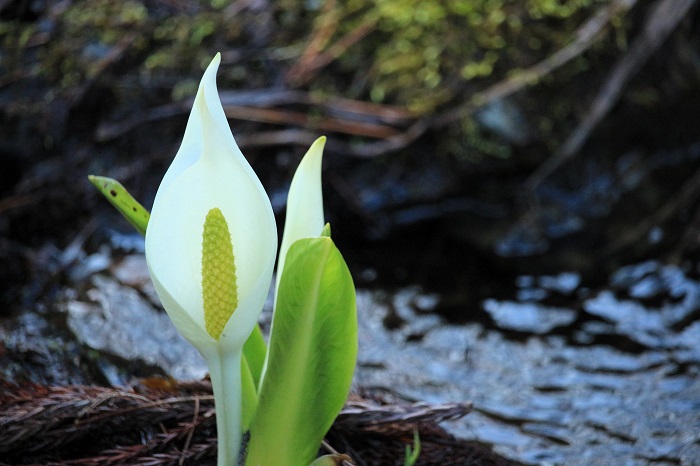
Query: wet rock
x,y
132,271
88,266
531,294
127,242
522,241
119,321
34,350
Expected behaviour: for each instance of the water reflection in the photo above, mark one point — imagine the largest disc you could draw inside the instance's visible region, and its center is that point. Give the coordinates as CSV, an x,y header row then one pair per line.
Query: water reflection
x,y
584,396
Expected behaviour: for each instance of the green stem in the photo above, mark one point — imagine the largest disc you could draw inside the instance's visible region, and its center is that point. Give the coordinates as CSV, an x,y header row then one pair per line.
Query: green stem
x,y
225,373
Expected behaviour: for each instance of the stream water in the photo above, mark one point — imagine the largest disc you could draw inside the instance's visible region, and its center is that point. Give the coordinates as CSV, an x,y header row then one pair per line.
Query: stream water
x,y
609,381
604,377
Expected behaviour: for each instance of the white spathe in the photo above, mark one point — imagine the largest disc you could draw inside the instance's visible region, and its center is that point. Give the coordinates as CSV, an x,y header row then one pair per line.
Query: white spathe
x,y
304,217
210,171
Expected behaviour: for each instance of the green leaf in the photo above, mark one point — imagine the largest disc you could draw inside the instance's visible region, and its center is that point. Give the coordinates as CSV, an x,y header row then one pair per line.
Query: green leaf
x,y
254,352
412,454
312,355
124,202
326,230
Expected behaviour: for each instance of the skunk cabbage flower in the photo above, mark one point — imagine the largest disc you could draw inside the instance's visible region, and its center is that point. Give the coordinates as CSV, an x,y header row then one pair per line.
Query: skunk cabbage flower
x,y
210,246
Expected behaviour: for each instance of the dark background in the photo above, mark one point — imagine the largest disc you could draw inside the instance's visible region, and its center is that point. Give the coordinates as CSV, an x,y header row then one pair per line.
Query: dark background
x,y
468,141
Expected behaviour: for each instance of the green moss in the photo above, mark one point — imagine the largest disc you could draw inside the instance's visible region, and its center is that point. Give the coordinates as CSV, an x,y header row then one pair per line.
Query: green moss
x,y
424,53
421,54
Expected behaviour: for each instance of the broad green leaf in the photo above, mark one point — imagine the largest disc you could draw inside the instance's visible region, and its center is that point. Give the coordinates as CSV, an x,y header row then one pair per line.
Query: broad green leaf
x,y
124,202
313,350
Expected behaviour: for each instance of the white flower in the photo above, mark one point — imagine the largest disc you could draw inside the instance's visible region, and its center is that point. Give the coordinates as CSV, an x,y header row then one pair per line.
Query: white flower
x,y
210,246
210,172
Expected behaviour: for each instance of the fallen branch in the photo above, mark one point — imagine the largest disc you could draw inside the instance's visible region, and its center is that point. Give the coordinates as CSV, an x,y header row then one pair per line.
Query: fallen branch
x,y
663,18
586,36
338,115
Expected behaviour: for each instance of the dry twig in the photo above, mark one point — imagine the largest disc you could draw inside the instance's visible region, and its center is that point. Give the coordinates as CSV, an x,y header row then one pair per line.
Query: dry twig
x,y
663,18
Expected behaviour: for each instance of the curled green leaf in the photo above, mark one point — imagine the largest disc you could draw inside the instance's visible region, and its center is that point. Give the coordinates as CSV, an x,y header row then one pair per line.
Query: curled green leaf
x,y
124,202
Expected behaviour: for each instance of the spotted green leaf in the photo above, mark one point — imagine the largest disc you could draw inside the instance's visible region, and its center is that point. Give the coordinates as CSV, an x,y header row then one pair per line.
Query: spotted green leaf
x,y
124,202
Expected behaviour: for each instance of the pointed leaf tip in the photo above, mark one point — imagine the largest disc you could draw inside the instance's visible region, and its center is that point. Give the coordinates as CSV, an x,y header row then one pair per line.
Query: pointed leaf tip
x,y
119,197
304,218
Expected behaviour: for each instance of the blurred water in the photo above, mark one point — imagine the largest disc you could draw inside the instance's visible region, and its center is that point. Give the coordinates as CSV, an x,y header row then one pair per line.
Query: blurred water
x,y
611,381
